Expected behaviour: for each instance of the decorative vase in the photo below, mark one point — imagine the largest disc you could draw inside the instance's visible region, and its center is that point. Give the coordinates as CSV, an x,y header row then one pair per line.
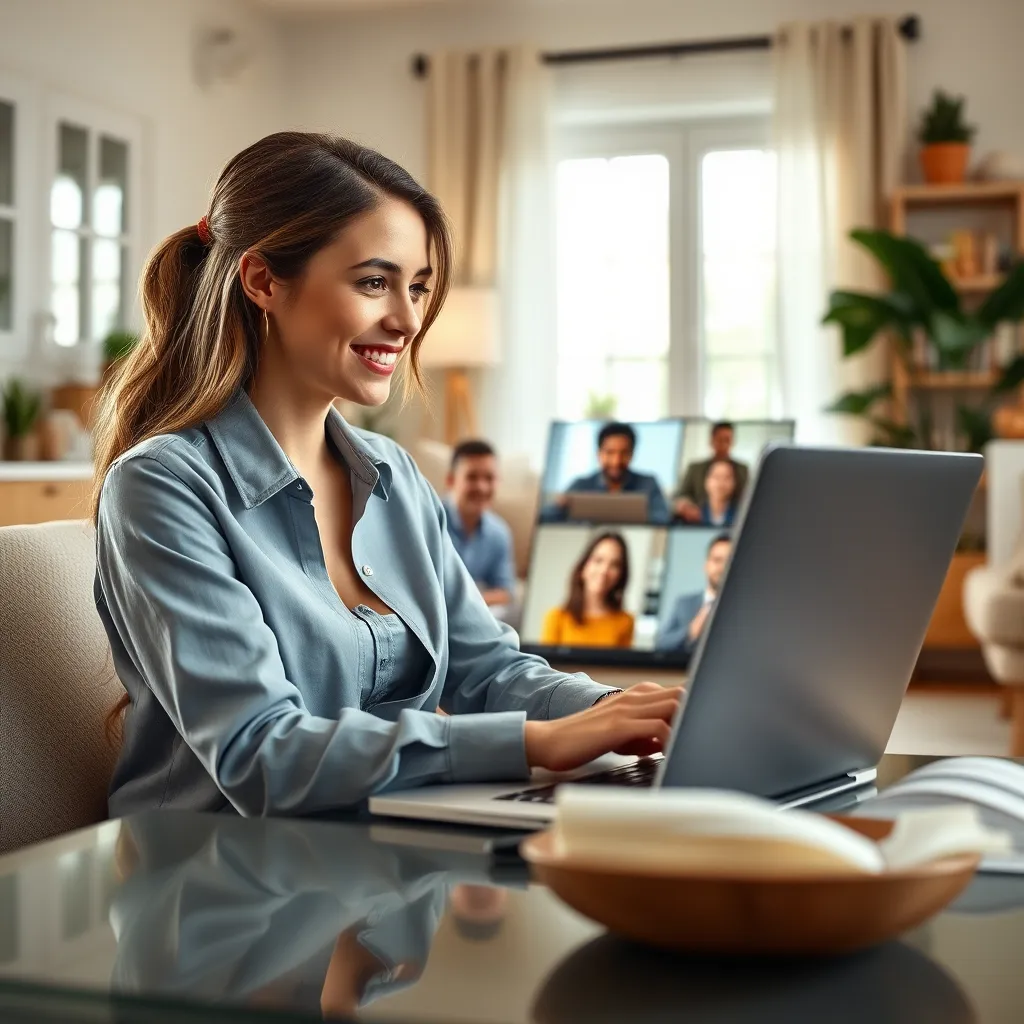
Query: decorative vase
x,y
945,163
1002,165
22,449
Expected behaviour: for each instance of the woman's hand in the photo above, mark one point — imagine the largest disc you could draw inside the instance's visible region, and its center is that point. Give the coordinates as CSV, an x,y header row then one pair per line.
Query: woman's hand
x,y
686,510
637,721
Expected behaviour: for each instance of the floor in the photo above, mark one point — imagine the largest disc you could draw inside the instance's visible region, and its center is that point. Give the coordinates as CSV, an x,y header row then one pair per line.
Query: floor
x,y
951,719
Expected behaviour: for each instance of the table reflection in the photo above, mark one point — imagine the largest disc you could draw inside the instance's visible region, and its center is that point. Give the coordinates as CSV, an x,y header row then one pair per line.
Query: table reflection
x,y
610,979
282,915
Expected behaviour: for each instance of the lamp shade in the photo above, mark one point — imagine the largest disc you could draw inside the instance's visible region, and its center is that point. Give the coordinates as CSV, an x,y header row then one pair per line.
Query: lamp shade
x,y
465,333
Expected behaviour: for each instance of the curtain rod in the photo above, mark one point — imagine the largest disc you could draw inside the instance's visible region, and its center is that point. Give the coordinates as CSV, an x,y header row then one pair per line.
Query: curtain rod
x,y
909,28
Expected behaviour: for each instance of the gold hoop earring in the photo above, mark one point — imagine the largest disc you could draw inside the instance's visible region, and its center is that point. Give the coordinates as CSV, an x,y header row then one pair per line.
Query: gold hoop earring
x,y
266,326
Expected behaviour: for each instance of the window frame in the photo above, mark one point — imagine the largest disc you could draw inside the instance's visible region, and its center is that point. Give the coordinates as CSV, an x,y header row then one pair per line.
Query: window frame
x,y
14,343
684,143
96,121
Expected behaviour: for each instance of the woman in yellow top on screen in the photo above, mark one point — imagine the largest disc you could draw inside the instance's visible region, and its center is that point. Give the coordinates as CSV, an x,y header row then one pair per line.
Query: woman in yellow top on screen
x,y
593,616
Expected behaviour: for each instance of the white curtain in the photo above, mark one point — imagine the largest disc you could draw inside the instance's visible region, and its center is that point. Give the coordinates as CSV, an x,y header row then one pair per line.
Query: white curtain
x,y
490,165
840,133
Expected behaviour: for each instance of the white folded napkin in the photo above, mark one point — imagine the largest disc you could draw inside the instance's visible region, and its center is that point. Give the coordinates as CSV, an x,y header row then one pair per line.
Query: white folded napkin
x,y
719,832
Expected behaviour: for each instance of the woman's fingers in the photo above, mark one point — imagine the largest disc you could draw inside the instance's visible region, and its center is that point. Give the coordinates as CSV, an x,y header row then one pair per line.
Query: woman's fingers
x,y
664,709
636,730
641,748
640,695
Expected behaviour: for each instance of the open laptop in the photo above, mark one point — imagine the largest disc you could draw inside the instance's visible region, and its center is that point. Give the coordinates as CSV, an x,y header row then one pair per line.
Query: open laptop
x,y
836,566
606,507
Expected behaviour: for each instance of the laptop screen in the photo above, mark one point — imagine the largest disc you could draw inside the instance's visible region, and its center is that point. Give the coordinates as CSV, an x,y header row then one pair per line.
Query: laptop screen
x,y
634,532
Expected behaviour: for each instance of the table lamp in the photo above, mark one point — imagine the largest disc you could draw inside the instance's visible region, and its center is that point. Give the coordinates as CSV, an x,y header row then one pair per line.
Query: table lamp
x,y
464,336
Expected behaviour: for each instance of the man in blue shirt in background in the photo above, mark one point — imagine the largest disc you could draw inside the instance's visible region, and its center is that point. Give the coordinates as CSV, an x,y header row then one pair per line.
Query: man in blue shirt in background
x,y
482,539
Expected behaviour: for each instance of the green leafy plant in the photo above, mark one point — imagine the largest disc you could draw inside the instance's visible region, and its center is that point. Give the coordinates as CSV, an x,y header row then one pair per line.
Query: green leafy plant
x,y
923,303
943,121
21,408
117,344
600,407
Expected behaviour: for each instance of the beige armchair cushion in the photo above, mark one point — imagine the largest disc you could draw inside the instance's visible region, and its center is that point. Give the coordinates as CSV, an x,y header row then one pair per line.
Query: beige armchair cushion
x,y
994,606
57,684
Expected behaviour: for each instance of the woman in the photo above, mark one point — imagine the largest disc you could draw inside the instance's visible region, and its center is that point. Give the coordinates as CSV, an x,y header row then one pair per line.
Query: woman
x,y
285,609
719,508
593,616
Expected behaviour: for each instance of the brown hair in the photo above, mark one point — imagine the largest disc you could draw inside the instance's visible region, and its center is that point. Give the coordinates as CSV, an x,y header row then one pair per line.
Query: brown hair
x,y
282,200
574,604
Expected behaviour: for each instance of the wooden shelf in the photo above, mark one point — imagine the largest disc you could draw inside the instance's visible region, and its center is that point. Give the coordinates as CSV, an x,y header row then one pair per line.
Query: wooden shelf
x,y
937,380
983,283
968,192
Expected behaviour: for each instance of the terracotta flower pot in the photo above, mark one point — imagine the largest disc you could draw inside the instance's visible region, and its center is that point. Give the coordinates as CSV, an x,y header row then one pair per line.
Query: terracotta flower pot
x,y
21,449
945,163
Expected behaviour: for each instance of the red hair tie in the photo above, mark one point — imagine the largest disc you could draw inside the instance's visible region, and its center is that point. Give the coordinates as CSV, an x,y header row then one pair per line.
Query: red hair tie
x,y
203,227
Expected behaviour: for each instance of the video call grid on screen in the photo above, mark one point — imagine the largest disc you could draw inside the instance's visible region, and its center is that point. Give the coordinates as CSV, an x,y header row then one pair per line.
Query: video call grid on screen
x,y
664,450
666,566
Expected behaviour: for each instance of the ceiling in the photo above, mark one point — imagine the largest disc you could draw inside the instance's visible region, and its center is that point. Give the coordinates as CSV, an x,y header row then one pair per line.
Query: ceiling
x,y
341,6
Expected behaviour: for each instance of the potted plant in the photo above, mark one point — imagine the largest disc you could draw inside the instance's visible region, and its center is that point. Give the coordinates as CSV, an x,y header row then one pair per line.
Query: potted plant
x,y
922,303
945,140
116,345
21,412
600,407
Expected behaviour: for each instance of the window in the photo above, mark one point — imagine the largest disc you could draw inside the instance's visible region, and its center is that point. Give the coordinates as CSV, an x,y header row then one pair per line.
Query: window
x,y
7,215
613,308
92,224
737,275
666,271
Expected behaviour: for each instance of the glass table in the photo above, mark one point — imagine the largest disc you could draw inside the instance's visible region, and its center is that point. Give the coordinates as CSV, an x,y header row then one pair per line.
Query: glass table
x,y
171,916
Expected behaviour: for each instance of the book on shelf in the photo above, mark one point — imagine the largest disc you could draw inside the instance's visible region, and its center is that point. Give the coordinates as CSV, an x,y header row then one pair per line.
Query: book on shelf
x,y
989,357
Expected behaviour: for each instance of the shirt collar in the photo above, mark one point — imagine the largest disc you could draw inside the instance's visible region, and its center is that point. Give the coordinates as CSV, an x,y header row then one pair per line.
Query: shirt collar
x,y
258,466
629,479
456,520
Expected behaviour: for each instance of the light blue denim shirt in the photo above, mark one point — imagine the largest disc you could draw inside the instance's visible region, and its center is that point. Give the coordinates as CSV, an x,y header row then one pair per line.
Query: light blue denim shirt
x,y
249,686
487,551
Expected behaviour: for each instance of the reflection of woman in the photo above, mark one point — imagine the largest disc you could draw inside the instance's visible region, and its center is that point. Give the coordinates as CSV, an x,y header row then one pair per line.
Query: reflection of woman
x,y
274,914
593,615
719,508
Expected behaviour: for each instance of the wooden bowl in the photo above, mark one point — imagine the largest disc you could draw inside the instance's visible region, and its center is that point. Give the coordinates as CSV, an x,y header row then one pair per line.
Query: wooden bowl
x,y
748,915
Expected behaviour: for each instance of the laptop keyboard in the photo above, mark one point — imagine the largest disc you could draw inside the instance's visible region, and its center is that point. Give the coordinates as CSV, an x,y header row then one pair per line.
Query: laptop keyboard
x,y
639,773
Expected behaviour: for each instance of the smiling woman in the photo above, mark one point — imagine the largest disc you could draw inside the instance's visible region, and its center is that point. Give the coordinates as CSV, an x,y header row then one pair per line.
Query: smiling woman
x,y
284,605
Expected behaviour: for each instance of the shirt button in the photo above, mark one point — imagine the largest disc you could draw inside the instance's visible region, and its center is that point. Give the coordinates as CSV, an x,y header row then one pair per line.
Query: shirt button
x,y
367,571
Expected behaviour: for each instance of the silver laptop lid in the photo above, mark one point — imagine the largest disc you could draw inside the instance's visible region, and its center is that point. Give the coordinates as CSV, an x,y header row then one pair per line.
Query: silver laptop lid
x,y
603,507
834,574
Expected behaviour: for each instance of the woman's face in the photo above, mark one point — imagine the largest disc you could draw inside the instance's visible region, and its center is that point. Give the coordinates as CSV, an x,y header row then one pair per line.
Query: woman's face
x,y
720,482
603,569
347,323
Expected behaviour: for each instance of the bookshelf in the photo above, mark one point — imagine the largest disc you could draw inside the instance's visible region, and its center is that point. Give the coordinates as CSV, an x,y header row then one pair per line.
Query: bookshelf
x,y
992,209
993,212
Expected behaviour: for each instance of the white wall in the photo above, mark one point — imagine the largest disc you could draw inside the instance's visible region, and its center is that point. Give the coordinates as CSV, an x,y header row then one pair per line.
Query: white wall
x,y
135,57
